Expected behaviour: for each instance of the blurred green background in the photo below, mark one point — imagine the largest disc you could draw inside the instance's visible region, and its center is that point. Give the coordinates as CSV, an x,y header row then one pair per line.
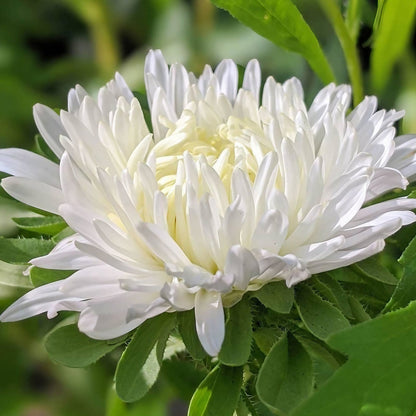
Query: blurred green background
x,y
48,46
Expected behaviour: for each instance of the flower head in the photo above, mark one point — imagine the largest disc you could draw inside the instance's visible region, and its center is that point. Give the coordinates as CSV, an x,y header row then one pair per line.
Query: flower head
x,y
226,194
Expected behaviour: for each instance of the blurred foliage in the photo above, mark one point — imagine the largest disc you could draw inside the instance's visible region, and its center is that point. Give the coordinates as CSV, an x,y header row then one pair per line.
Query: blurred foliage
x,y
46,47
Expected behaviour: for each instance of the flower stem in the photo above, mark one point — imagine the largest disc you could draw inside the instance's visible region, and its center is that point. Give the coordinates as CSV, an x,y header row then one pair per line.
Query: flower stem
x,y
334,15
97,16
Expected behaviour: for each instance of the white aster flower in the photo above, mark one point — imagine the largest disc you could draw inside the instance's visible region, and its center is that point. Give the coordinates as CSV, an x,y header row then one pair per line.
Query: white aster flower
x,y
227,194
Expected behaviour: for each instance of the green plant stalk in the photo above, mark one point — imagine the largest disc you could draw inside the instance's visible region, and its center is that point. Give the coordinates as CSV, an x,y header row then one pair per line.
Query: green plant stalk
x,y
96,15
334,15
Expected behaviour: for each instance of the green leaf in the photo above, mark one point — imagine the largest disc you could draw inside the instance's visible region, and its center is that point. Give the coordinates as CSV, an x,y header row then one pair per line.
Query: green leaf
x,y
409,254
140,363
40,277
12,275
218,393
391,36
353,18
183,376
358,310
324,363
22,250
282,23
285,378
238,327
346,274
372,268
69,347
49,225
66,232
379,377
266,337
187,329
276,296
319,316
405,291
330,288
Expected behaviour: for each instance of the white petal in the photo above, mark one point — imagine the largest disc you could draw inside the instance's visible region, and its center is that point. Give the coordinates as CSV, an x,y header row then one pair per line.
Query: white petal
x,y
108,317
50,127
66,256
344,258
252,78
93,282
162,244
19,162
227,75
241,264
178,295
34,193
209,316
41,299
385,179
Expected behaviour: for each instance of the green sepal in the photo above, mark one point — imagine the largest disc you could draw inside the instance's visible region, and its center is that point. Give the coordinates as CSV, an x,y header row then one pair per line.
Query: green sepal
x,y
140,362
49,225
235,349
319,316
68,346
187,329
218,393
22,250
276,296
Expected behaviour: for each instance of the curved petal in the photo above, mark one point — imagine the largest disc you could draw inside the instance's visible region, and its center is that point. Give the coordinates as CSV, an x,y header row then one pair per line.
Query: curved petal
x,y
209,316
50,127
113,316
19,162
34,193
47,298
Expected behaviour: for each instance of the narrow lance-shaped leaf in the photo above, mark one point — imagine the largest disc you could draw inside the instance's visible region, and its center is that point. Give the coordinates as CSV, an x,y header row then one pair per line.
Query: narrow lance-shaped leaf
x,y
236,347
139,365
372,268
187,329
319,316
396,20
405,291
218,393
22,250
50,225
68,346
330,288
282,23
